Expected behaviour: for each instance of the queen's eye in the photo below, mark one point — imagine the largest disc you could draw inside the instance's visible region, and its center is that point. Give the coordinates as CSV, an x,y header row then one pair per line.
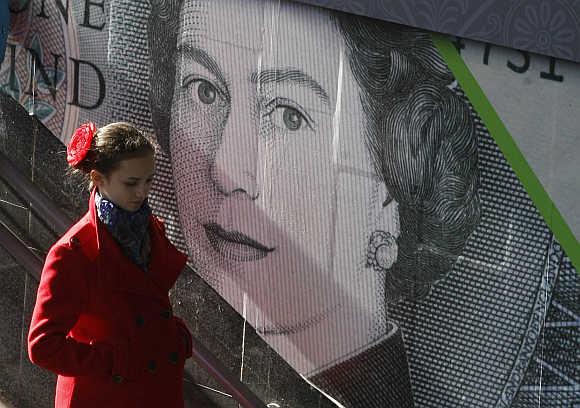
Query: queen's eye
x,y
206,92
292,118
288,117
201,89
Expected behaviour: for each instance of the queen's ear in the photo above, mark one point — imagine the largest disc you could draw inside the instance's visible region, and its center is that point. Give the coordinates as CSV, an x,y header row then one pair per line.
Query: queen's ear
x,y
386,211
382,250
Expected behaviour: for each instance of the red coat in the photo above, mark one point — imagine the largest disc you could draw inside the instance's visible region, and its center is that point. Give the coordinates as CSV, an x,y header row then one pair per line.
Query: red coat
x,y
105,326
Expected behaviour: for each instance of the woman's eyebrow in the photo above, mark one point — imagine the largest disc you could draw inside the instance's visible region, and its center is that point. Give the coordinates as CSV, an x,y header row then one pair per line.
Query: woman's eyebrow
x,y
202,58
289,75
132,178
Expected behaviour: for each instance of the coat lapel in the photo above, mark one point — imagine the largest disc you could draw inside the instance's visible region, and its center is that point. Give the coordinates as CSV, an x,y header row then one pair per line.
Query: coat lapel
x,y
166,261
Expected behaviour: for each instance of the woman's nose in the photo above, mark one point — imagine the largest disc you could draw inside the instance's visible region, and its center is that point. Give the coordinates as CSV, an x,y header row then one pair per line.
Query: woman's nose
x,y
142,192
235,166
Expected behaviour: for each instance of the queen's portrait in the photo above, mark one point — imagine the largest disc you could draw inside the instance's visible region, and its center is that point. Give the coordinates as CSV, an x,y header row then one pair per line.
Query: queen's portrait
x,y
324,167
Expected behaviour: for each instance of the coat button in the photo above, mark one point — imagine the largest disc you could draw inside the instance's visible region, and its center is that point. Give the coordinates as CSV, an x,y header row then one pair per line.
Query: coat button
x,y
139,321
74,242
166,314
151,366
118,379
174,357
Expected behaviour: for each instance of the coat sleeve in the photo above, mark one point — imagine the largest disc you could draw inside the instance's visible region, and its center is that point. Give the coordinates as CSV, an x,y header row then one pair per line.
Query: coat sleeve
x,y
185,337
61,298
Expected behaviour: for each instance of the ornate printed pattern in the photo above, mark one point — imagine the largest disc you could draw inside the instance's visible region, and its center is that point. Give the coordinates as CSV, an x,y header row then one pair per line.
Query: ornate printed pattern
x,y
550,28
537,321
544,27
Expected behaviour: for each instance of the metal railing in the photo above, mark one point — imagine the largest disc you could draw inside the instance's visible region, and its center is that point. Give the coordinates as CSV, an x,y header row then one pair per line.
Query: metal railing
x,y
40,203
44,207
20,252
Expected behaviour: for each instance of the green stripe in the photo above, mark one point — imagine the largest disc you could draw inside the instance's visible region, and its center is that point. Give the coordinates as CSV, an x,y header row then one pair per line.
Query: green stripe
x,y
510,150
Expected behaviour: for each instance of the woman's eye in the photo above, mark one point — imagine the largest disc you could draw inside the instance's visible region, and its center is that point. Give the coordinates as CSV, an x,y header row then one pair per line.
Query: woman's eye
x,y
287,117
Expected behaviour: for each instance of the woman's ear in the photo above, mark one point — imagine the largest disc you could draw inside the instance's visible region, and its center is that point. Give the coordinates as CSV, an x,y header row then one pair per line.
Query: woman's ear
x,y
96,178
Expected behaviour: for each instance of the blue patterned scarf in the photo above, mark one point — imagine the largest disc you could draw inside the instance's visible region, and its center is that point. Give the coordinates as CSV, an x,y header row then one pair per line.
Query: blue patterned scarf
x,y
128,228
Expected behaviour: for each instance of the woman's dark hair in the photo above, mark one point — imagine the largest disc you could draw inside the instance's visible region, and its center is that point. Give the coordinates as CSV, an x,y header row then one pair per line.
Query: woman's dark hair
x,y
420,133
112,144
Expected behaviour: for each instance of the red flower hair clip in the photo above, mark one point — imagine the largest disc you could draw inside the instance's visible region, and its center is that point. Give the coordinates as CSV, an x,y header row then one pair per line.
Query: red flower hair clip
x,y
80,143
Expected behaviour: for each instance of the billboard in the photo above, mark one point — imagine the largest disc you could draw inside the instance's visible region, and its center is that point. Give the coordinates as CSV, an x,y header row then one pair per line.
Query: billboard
x,y
332,179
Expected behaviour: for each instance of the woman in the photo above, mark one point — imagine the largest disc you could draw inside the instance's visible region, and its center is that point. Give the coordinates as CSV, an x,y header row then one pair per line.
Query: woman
x,y
324,166
102,319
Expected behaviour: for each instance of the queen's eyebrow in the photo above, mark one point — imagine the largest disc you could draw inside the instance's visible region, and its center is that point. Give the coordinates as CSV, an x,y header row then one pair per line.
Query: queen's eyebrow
x,y
202,58
289,75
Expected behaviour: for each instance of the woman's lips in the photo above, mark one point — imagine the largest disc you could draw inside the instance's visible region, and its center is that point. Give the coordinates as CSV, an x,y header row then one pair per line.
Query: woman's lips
x,y
234,245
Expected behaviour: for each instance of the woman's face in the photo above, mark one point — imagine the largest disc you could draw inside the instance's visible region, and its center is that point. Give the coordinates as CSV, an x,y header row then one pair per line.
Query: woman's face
x,y
274,185
129,183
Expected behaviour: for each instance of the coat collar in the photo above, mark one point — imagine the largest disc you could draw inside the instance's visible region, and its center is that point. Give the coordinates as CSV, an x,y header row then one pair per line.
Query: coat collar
x,y
165,261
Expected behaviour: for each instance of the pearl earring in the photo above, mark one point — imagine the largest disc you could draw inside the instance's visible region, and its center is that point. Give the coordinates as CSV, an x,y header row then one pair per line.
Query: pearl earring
x,y
382,251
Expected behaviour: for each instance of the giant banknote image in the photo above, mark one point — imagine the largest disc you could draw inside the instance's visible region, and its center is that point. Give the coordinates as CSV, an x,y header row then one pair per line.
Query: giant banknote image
x,y
329,178
326,176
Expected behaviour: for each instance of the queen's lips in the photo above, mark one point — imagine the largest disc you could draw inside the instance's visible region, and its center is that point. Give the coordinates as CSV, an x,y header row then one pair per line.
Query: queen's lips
x,y
234,245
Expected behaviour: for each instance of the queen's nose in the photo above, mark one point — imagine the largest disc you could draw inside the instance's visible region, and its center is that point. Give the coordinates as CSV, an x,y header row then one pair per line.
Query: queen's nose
x,y
235,166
